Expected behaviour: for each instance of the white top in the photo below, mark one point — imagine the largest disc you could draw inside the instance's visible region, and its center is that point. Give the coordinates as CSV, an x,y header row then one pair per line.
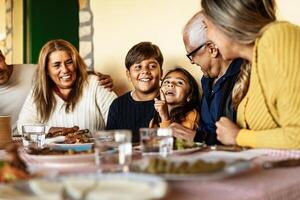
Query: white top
x,y
14,93
90,112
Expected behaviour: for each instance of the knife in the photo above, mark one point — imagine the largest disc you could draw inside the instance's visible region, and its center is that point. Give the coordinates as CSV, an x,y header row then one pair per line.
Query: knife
x,y
281,163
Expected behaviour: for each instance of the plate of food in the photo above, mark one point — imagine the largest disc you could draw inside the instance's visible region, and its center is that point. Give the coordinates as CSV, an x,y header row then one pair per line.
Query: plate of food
x,y
78,147
72,138
182,147
94,186
48,155
12,167
175,168
179,147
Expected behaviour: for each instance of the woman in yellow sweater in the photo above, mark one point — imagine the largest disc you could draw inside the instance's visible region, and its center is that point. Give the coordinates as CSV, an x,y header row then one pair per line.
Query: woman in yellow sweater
x,y
269,114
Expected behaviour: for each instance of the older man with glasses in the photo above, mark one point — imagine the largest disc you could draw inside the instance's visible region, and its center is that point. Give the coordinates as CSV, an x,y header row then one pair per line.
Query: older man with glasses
x,y
219,77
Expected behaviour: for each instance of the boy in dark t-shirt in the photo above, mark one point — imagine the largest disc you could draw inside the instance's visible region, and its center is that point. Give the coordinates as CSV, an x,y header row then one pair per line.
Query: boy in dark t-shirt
x,y
135,108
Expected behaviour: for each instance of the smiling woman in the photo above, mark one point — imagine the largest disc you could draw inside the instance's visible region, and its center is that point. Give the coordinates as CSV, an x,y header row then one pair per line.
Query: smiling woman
x,y
63,94
62,72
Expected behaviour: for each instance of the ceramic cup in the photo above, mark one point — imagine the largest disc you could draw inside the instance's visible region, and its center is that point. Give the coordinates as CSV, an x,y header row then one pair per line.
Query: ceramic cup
x,y
5,131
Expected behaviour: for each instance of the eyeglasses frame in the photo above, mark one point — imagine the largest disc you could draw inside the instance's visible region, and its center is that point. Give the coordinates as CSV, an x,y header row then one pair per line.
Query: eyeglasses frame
x,y
190,55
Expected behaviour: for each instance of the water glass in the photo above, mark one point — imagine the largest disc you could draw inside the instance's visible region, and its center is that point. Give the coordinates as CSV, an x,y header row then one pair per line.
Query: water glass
x,y
113,150
156,141
34,136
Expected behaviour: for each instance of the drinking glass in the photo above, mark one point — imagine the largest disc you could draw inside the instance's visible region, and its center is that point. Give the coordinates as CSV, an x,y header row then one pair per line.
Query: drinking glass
x,y
156,141
113,150
33,136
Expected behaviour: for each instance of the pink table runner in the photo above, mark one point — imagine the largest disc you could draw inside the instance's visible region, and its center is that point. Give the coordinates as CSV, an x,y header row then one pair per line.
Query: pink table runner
x,y
258,184
274,184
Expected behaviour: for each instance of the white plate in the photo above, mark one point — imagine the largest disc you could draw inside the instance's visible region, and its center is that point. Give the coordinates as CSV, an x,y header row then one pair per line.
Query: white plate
x,y
75,147
66,158
129,186
178,152
186,151
231,168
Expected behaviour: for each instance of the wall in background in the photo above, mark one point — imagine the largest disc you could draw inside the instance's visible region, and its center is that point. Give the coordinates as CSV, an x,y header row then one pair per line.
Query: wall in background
x,y
47,20
11,30
289,10
86,32
6,29
2,24
18,28
119,24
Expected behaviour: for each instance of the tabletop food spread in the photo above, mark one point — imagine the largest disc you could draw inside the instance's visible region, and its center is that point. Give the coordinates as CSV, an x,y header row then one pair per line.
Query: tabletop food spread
x,y
66,167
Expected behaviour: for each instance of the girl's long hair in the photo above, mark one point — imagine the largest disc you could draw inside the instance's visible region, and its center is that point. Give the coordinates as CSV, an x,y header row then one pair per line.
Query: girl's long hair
x,y
178,114
43,88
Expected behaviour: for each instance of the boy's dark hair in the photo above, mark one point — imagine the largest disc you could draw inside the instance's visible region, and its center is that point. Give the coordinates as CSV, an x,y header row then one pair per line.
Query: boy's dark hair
x,y
143,51
178,114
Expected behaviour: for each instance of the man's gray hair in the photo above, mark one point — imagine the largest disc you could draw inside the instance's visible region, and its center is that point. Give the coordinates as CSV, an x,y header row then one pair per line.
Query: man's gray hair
x,y
195,30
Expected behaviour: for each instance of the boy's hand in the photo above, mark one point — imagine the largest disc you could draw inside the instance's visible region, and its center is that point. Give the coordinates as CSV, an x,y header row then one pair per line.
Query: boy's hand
x,y
161,106
105,80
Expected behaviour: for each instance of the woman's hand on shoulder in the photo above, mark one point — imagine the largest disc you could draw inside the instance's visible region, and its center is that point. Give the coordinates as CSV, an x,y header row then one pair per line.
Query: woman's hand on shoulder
x,y
227,131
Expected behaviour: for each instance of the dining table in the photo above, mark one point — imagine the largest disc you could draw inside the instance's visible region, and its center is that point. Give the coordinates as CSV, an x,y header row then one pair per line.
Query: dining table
x,y
260,182
257,184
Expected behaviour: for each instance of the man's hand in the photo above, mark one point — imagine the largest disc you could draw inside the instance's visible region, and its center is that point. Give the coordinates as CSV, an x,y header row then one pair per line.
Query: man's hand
x,y
161,106
227,131
105,80
182,132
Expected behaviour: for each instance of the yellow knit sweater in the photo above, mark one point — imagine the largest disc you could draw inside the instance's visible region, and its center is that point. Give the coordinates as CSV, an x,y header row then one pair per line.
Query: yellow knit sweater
x,y
270,112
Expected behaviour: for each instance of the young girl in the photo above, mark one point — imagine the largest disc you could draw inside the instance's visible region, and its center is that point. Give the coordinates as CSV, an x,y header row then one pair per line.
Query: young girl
x,y
179,99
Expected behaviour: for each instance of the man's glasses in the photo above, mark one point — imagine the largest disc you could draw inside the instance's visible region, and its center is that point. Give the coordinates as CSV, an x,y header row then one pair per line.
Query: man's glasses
x,y
191,54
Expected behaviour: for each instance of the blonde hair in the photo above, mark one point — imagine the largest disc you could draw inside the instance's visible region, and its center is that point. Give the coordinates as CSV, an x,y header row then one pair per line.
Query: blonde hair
x,y
241,85
244,21
240,20
43,87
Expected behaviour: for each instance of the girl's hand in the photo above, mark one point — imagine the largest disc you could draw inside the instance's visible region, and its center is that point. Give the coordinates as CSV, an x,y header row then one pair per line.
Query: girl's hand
x,y
161,106
182,132
227,131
